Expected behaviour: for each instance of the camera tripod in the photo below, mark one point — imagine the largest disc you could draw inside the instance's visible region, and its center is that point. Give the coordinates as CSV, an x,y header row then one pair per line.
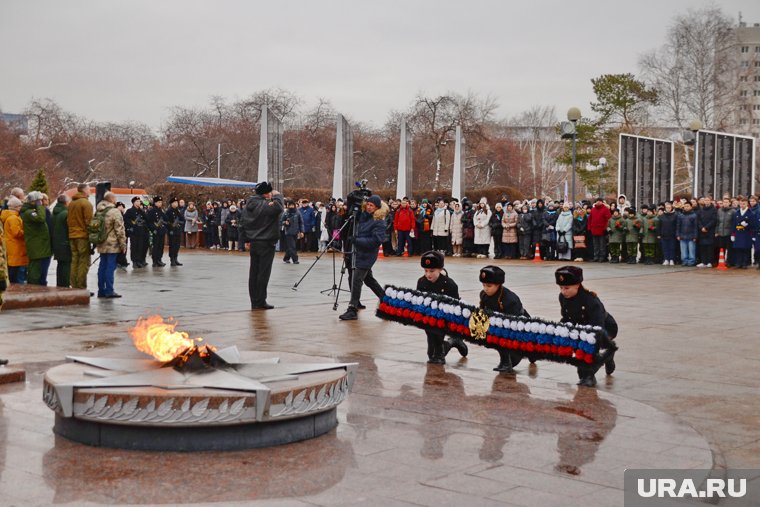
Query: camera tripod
x,y
336,286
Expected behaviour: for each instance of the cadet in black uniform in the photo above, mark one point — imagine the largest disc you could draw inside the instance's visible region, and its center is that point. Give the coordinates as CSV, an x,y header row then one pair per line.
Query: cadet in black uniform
x,y
435,281
157,227
175,226
498,298
137,231
581,306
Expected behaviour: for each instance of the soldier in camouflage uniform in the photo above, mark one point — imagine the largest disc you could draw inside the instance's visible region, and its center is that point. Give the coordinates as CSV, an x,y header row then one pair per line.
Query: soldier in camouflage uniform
x,y
617,228
634,226
649,234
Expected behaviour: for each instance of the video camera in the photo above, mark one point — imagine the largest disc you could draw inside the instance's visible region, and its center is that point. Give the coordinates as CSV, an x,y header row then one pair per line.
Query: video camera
x,y
355,199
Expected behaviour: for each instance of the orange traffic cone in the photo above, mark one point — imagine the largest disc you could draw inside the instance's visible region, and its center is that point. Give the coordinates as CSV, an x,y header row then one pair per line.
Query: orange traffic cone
x,y
380,252
537,256
722,262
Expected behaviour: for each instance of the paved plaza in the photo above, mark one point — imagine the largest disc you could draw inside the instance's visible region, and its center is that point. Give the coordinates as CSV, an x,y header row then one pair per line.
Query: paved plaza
x,y
684,394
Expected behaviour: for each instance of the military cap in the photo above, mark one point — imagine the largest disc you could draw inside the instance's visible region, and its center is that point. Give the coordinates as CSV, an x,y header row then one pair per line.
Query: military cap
x,y
263,188
568,275
173,199
135,198
157,198
432,260
491,274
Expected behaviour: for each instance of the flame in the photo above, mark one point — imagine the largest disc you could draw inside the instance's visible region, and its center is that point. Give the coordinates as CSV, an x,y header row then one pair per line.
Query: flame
x,y
157,338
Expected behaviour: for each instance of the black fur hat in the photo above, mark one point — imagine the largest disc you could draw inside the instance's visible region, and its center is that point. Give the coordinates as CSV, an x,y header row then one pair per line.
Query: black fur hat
x,y
492,274
568,275
432,260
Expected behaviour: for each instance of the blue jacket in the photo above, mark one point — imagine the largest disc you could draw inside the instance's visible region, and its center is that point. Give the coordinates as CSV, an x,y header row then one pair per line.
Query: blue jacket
x,y
292,223
686,226
309,216
370,234
742,232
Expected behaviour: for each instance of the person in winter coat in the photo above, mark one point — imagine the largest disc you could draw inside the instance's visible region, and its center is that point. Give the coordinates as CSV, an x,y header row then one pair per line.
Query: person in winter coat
x,y
18,261
60,243
233,227
509,235
666,233
581,252
686,234
482,220
538,213
309,242
617,231
369,234
456,230
222,214
210,229
598,220
192,221
175,228
724,228
742,234
707,221
468,229
403,223
633,226
549,237
525,233
80,214
115,243
436,281
424,219
497,229
37,237
564,228
292,225
754,208
441,227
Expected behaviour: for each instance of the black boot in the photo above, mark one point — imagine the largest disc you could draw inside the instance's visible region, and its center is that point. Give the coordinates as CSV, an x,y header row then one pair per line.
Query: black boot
x,y
350,314
438,355
609,366
430,348
589,381
505,363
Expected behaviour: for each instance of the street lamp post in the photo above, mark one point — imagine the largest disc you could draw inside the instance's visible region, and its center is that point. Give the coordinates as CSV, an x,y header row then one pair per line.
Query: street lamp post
x,y
573,115
695,126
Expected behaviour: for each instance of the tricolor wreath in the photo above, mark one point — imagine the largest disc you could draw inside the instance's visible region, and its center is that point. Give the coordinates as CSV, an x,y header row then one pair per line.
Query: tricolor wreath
x,y
541,339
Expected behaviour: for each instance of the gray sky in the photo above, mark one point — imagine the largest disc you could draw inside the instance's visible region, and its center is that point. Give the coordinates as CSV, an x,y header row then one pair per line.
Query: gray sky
x,y
132,60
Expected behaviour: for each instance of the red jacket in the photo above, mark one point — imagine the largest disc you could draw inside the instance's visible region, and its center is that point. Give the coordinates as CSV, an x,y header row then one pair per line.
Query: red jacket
x,y
403,220
598,219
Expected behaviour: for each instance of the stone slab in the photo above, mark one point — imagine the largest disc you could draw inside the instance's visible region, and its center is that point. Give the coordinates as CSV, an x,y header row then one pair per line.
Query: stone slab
x,y
36,296
9,375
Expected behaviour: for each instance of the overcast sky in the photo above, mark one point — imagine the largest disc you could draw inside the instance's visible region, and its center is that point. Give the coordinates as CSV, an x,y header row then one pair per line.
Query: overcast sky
x,y
132,60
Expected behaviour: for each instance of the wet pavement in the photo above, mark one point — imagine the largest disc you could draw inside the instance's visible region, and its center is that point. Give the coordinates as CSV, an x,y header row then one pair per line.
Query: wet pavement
x,y
683,396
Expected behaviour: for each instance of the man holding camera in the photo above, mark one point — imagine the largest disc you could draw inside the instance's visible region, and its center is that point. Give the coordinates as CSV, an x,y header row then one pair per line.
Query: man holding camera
x,y
261,223
369,235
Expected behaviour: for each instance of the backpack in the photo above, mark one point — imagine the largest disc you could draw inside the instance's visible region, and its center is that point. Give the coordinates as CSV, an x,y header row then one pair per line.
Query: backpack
x,y
96,230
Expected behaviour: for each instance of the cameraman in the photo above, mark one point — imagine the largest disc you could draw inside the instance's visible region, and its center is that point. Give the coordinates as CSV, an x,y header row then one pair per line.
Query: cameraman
x,y
369,235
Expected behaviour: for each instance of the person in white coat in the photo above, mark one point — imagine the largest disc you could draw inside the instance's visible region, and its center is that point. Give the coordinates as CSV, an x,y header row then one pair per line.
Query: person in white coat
x,y
564,228
481,220
441,226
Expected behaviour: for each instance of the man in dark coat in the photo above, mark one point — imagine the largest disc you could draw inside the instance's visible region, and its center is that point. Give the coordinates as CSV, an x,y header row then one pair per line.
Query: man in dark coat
x,y
135,224
60,241
157,226
261,223
369,235
37,238
707,221
293,228
175,225
581,306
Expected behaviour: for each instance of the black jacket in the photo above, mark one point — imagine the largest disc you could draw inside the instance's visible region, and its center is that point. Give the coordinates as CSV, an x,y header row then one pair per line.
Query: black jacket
x,y
505,301
666,226
370,234
156,220
261,218
444,285
587,309
175,221
707,217
135,222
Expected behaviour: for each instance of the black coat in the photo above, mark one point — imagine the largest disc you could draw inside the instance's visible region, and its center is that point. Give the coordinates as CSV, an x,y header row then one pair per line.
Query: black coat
x,y
444,285
135,222
505,301
586,308
156,220
261,218
666,225
707,217
175,221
